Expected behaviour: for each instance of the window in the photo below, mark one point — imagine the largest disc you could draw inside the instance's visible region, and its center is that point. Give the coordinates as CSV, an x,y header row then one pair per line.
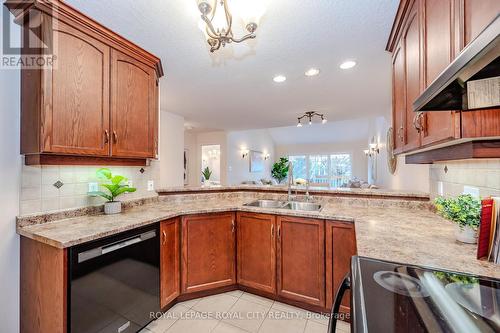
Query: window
x,y
332,170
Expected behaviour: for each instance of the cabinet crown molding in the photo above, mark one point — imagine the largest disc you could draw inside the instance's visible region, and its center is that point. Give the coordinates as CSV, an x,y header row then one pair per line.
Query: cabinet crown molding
x,y
68,14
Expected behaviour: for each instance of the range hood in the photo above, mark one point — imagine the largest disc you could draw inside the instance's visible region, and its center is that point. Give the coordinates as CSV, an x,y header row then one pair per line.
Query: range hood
x,y
471,81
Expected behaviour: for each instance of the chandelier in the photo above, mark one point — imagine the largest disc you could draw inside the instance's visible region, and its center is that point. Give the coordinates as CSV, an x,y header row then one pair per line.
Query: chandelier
x,y
218,20
310,115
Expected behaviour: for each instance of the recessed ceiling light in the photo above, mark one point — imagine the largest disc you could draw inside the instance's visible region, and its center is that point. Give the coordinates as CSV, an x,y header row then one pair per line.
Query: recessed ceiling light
x,y
279,78
348,64
312,72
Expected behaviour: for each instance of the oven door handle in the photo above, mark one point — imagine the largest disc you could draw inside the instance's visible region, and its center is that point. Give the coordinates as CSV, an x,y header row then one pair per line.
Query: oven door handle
x,y
344,286
99,251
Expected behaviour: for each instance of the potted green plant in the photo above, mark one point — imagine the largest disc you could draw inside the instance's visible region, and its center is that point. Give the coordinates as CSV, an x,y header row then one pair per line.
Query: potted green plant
x,y
115,185
207,173
280,170
465,211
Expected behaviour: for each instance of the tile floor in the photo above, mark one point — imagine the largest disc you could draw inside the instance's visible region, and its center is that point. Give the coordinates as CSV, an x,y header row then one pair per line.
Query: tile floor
x,y
239,312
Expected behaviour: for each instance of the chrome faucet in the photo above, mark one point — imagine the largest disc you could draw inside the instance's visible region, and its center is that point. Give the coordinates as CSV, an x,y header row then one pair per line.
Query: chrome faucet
x,y
308,196
290,180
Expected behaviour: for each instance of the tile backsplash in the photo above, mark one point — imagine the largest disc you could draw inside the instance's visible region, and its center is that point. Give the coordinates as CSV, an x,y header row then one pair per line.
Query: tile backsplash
x,y
450,178
38,193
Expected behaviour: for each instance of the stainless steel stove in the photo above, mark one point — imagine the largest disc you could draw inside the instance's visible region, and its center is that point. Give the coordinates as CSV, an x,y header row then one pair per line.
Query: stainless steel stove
x,y
391,297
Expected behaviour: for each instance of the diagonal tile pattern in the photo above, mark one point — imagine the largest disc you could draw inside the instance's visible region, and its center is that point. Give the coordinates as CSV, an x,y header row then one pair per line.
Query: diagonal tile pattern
x,y
240,312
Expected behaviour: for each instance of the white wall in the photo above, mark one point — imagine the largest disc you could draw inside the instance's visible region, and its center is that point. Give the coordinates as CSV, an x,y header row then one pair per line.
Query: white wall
x,y
211,160
192,152
171,150
238,167
408,177
10,169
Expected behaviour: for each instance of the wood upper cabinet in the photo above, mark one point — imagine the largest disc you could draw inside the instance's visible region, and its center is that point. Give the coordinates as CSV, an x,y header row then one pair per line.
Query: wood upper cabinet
x,y
399,99
340,247
256,251
133,103
438,30
98,103
477,15
169,261
208,252
75,116
411,44
301,260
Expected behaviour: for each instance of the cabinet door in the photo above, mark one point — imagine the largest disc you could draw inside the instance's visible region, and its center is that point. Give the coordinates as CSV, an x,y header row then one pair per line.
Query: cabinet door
x,y
438,31
133,107
411,44
399,98
208,252
169,261
76,111
301,260
477,15
256,248
340,247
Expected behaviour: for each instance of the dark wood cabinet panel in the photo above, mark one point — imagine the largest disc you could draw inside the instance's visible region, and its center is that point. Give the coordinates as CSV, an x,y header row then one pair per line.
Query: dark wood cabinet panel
x,y
411,44
208,252
256,251
43,273
301,260
399,98
169,261
133,107
477,15
340,247
438,30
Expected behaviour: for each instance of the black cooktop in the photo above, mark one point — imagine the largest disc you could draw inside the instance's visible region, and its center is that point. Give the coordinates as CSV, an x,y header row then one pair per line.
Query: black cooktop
x,y
390,297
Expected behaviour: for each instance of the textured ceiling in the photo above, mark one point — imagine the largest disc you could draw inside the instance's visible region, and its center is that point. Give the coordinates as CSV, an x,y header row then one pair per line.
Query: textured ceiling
x,y
233,89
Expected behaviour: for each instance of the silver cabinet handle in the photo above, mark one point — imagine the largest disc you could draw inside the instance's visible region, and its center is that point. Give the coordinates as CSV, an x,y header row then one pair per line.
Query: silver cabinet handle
x,y
233,226
272,230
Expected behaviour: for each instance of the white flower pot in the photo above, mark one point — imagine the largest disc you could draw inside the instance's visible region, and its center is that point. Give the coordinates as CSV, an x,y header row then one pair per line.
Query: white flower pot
x,y
112,207
466,234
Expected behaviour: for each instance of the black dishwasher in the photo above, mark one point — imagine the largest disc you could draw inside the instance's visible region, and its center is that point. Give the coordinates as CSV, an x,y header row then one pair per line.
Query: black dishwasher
x,y
114,283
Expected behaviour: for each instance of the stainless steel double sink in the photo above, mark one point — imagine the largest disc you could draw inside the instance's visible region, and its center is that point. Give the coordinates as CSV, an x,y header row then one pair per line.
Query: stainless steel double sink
x,y
292,205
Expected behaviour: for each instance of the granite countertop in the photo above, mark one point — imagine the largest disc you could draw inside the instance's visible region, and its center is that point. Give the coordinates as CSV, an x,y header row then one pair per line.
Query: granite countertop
x,y
301,189
415,236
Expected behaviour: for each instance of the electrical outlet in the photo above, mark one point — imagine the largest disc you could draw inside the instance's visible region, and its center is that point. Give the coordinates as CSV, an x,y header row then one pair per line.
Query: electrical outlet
x,y
130,183
93,187
474,191
441,188
151,185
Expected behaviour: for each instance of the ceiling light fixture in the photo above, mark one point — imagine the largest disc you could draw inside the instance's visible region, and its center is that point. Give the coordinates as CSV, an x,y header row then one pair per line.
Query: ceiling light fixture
x,y
312,72
279,78
348,64
219,21
310,115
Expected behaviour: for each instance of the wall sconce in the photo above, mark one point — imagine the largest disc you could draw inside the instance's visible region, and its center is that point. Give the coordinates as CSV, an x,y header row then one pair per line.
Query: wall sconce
x,y
373,149
244,152
266,157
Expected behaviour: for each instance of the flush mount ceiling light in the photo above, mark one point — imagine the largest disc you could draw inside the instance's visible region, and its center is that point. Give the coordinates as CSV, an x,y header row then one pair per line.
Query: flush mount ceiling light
x,y
312,72
279,78
348,64
219,20
310,115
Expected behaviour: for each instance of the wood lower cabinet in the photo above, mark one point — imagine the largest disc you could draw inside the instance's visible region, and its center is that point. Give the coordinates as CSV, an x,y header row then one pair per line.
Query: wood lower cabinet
x,y
43,288
301,260
98,100
340,247
169,261
256,251
208,252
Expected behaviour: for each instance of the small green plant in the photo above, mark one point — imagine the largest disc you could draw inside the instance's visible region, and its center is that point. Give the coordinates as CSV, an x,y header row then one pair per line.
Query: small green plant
x,y
465,210
114,184
280,169
207,173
